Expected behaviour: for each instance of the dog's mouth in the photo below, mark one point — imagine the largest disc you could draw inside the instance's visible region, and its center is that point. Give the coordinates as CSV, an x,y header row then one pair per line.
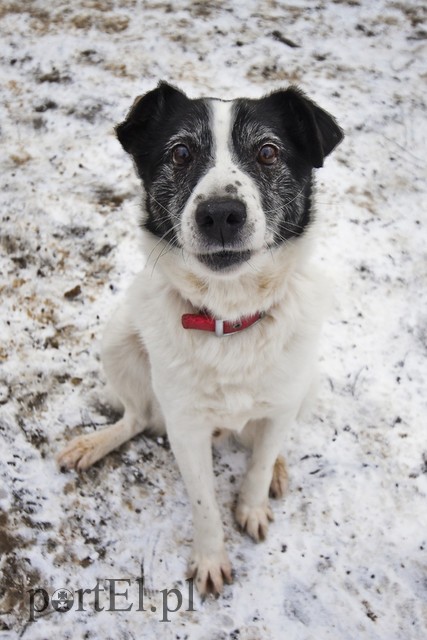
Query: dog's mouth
x,y
224,260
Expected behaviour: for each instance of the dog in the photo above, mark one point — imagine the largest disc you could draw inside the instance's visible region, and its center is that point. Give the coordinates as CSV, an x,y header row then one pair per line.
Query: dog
x,y
220,330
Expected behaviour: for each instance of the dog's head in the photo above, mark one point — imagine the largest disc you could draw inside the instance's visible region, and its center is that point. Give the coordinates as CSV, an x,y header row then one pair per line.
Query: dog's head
x,y
227,180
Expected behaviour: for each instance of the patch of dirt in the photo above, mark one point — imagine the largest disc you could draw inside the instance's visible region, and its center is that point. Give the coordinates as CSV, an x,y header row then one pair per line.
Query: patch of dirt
x,y
17,577
16,574
108,198
273,72
111,24
8,541
55,76
25,7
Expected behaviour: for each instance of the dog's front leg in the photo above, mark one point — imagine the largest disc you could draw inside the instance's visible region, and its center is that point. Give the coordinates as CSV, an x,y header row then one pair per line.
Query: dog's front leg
x,y
253,511
191,443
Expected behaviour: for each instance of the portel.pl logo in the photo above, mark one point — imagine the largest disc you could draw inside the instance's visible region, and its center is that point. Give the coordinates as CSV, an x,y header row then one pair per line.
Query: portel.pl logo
x,y
117,594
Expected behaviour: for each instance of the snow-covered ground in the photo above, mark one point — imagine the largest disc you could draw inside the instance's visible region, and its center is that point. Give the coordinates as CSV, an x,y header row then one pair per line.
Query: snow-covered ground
x,y
346,557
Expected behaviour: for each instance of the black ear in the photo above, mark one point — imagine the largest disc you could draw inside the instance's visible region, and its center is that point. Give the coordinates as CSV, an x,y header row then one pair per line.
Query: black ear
x,y
145,110
313,131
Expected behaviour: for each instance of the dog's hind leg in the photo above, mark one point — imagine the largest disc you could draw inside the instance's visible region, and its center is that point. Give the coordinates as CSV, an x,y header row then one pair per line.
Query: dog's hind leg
x,y
279,481
87,449
127,366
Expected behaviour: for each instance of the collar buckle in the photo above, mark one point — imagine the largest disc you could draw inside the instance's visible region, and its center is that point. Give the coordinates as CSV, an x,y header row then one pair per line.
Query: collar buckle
x,y
219,329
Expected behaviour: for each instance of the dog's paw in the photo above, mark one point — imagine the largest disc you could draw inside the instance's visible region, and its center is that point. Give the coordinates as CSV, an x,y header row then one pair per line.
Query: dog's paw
x,y
80,453
254,520
279,481
210,572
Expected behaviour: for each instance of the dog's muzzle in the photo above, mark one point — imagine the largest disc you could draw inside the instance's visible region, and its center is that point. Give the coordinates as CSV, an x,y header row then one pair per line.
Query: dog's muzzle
x,y
220,221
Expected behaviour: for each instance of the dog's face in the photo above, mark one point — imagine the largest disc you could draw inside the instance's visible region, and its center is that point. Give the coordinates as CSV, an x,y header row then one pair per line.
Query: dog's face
x,y
225,181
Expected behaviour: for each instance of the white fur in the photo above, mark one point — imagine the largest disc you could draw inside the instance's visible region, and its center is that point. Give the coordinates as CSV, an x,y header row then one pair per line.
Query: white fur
x,y
190,383
195,382
223,172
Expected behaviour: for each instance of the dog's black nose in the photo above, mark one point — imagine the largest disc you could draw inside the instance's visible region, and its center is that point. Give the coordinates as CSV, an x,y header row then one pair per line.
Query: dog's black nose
x,y
220,220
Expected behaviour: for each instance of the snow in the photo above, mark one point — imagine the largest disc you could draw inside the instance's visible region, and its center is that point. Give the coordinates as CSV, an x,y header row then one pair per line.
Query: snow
x,y
346,555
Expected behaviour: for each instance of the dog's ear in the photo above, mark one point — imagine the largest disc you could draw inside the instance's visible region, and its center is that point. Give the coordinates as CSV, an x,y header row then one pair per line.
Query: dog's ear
x,y
313,131
146,110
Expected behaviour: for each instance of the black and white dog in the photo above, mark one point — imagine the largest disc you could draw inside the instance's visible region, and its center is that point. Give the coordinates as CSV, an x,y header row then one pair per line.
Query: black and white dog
x,y
227,226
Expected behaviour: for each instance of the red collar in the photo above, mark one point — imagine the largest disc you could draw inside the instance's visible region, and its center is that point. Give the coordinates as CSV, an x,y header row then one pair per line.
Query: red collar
x,y
205,322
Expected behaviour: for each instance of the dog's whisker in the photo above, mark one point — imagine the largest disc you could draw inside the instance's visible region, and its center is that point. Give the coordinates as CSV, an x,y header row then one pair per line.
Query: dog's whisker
x,y
292,228
272,254
280,239
170,213
167,248
288,202
163,251
174,228
183,254
251,266
290,222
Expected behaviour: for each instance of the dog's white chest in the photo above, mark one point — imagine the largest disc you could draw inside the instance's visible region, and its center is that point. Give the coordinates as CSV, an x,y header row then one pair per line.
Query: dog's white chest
x,y
231,406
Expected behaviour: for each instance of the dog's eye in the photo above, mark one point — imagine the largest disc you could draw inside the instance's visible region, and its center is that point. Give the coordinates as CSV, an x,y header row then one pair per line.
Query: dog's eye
x,y
268,154
181,155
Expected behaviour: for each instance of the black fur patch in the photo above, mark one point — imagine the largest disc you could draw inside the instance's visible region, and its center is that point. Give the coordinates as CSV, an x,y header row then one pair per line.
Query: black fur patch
x,y
302,132
158,122
303,137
